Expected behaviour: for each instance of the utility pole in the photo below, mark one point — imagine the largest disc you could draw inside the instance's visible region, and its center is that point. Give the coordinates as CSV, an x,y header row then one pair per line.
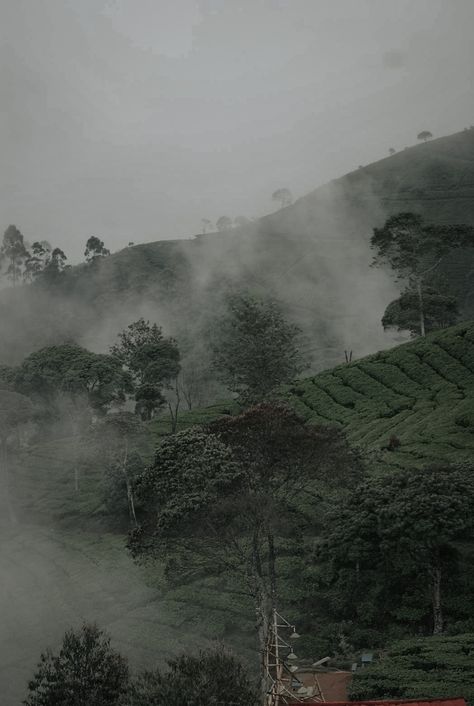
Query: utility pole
x,y
280,666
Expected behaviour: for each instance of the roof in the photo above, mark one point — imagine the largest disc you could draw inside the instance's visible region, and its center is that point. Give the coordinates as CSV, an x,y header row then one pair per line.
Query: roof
x,y
454,701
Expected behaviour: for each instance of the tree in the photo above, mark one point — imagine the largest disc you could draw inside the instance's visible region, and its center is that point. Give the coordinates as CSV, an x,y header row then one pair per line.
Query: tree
x,y
218,501
420,668
392,151
73,382
153,362
86,671
72,371
13,252
95,248
424,135
254,348
36,260
414,250
440,311
224,223
212,678
283,196
15,410
206,225
44,263
401,532
117,438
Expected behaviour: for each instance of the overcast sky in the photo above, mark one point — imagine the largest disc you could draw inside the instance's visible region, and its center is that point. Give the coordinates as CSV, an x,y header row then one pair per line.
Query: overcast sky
x,y
134,119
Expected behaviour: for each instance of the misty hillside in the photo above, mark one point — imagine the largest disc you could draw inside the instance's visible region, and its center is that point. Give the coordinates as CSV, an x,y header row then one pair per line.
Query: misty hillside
x,y
313,256
420,392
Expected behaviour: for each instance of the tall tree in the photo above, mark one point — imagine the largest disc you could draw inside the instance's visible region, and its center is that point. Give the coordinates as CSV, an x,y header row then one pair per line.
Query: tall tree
x,y
85,671
414,250
283,196
206,225
118,438
211,678
153,362
254,348
14,253
219,501
439,311
402,530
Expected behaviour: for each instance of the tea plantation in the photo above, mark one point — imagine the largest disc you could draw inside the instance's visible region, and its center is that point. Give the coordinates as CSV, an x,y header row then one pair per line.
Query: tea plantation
x,y
410,405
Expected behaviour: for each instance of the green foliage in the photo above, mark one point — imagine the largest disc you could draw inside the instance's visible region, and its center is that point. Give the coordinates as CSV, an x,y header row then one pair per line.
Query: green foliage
x,y
76,372
212,678
152,360
86,670
396,542
255,349
440,311
422,668
95,248
15,409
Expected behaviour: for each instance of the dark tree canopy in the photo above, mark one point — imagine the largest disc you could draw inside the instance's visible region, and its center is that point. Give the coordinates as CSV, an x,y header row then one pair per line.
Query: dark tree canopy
x,y
414,251
153,361
212,678
219,499
95,248
254,348
71,370
85,672
420,668
399,534
424,135
440,311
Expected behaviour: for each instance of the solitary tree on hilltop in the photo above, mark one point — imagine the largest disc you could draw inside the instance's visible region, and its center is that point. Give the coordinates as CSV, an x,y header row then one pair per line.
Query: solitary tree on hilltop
x,y
283,196
224,223
424,135
95,248
392,151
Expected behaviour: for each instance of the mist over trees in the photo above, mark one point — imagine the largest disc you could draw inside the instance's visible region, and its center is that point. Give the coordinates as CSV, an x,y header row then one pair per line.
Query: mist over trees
x,y
254,348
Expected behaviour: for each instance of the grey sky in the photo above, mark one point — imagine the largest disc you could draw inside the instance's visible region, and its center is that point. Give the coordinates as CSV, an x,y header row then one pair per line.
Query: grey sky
x,y
133,119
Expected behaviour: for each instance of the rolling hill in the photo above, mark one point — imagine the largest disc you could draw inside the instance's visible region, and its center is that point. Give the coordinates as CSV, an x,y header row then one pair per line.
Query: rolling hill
x,y
313,256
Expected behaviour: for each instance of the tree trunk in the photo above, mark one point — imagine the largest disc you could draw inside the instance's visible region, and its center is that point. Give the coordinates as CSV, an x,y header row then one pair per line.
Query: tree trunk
x,y
421,307
6,481
436,598
130,500
174,410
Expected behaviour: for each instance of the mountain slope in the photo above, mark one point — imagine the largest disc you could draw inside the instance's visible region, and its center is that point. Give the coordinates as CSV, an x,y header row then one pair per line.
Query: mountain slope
x,y
312,256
